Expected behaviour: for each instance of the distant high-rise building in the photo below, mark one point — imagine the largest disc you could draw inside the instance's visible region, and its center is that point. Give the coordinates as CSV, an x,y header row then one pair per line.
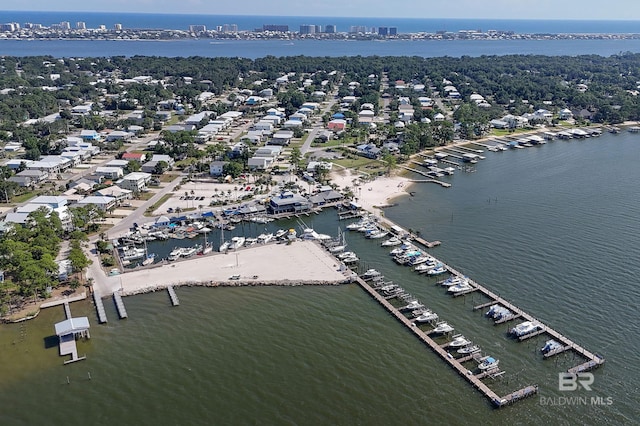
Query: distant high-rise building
x,y
11,26
318,28
357,29
307,29
330,29
383,31
230,28
81,25
102,27
393,31
117,27
197,28
65,25
276,28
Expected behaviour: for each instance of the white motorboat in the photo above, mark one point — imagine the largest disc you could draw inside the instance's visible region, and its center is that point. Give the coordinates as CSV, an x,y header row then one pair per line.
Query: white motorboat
x,y
443,327
467,350
488,363
393,241
417,260
188,251
414,304
345,254
459,341
248,242
350,259
426,316
236,243
264,238
452,280
437,270
280,233
460,287
424,267
175,254
310,234
370,273
377,234
337,249
550,346
224,246
525,328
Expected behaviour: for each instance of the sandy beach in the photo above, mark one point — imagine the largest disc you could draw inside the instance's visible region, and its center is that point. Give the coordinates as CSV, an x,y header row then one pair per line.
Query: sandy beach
x,y
298,262
375,193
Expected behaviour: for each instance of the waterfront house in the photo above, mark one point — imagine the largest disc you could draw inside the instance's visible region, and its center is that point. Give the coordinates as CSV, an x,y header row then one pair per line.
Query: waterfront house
x,y
565,114
369,151
288,202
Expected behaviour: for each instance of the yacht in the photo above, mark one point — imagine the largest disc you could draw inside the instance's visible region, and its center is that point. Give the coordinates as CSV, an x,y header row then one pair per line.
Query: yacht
x,y
393,241
236,243
149,259
524,328
437,270
443,327
488,363
133,253
280,233
224,246
460,341
468,350
426,316
550,346
417,260
345,254
350,259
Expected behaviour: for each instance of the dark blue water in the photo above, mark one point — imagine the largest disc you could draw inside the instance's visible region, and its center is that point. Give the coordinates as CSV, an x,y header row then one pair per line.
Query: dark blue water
x,y
249,23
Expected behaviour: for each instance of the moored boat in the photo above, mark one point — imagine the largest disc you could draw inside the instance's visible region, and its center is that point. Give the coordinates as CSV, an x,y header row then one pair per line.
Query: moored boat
x,y
443,327
488,363
524,328
459,341
550,346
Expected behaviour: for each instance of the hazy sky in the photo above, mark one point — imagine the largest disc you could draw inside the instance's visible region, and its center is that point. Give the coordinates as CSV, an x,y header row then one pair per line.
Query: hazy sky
x,y
500,9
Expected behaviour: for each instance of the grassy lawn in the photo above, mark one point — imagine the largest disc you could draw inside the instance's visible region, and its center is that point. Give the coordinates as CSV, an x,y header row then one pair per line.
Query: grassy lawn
x,y
361,164
157,204
24,197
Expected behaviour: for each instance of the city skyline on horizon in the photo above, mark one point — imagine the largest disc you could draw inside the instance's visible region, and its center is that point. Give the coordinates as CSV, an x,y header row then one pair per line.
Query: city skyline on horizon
x,y
473,9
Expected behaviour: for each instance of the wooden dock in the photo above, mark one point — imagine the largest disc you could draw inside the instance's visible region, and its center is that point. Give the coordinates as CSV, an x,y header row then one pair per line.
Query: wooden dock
x,y
427,244
430,180
67,310
102,315
482,306
456,364
593,360
122,311
173,296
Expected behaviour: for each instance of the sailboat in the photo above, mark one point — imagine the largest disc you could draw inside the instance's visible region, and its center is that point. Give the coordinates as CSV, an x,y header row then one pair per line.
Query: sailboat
x,y
206,247
148,257
340,243
224,245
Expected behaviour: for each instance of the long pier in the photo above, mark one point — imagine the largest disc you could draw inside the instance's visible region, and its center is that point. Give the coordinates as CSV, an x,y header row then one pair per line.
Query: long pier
x,y
456,364
122,311
173,296
593,360
102,314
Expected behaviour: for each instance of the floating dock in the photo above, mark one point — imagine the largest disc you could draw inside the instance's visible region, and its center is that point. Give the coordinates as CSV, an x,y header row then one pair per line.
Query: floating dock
x,y
456,364
102,315
122,311
173,296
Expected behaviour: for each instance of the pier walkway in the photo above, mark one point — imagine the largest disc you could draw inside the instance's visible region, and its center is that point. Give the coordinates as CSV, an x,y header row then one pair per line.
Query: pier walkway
x,y
456,364
122,311
173,296
425,174
102,314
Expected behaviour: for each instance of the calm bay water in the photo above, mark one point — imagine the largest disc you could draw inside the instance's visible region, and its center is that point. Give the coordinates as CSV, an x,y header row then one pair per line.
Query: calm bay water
x,y
253,49
552,228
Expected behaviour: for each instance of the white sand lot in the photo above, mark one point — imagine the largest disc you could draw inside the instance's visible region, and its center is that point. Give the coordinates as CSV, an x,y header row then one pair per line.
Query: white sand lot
x,y
298,262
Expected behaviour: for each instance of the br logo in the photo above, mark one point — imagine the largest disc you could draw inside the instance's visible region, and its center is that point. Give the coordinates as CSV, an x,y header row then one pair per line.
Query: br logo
x,y
572,381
